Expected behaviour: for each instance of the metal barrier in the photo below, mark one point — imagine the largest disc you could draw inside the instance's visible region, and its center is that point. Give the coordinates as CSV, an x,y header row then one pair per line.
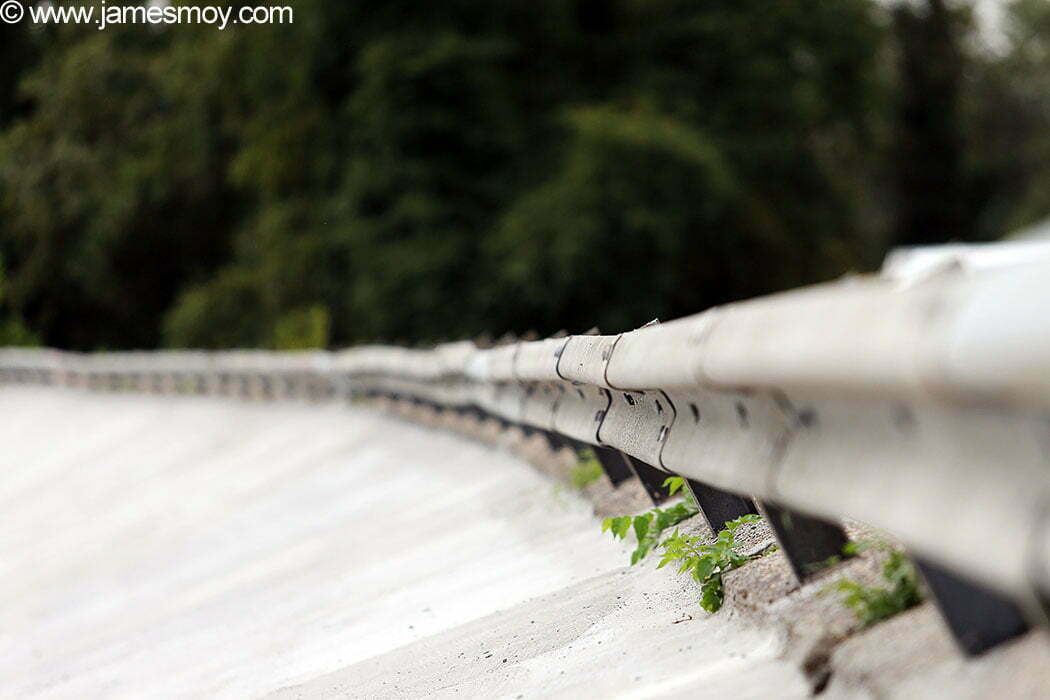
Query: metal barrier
x,y
917,401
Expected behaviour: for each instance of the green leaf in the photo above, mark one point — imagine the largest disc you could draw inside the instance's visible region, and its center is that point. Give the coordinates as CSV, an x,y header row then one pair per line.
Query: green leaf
x,y
641,527
711,595
705,566
674,483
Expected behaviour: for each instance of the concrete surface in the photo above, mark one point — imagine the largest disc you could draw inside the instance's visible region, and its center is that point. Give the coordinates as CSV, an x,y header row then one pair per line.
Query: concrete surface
x,y
184,547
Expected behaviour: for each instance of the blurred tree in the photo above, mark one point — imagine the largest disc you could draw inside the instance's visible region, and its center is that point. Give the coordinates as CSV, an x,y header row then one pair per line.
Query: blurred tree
x,y
113,186
932,184
12,331
973,126
226,312
280,101
19,52
434,136
417,170
302,329
649,202
1007,106
723,165
418,136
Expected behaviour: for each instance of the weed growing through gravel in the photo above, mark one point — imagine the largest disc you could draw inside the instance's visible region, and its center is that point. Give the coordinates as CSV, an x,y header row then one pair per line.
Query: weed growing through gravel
x,y
873,604
649,526
706,563
586,471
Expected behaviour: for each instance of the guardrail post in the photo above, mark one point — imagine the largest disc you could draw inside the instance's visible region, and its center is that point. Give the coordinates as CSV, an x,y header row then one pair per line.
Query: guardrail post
x,y
652,479
807,542
613,463
474,414
555,441
978,618
719,507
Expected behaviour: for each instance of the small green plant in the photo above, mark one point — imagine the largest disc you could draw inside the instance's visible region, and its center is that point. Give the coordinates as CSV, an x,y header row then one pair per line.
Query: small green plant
x,y
872,604
707,563
676,484
649,526
586,471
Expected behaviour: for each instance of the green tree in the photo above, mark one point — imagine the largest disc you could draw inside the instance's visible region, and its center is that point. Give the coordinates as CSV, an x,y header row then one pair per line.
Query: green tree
x,y
113,185
418,170
722,164
1007,107
13,331
932,185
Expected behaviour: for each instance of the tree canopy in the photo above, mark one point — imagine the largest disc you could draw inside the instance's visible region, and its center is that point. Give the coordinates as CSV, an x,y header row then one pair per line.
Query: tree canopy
x,y
415,171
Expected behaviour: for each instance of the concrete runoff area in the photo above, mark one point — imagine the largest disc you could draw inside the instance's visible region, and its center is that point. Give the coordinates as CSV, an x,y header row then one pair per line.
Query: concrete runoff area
x,y
202,547
195,547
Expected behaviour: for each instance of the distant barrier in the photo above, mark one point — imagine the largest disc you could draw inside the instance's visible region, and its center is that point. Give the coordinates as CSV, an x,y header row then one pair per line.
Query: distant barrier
x,y
917,401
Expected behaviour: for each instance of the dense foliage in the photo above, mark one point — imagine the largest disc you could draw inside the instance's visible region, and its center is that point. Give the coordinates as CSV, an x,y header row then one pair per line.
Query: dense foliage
x,y
412,171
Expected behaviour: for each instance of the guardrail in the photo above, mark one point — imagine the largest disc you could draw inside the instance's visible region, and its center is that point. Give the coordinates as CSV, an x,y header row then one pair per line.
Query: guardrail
x,y
917,401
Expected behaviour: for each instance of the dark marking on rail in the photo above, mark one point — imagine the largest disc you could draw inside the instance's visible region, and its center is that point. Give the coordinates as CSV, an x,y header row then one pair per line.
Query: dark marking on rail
x,y
807,417
741,413
903,417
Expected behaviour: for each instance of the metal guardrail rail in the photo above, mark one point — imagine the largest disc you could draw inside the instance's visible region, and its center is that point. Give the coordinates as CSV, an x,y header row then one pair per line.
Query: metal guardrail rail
x,y
917,401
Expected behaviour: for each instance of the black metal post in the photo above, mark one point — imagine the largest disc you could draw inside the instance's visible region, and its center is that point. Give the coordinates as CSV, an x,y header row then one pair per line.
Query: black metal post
x,y
652,479
555,441
808,543
978,618
717,506
613,462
